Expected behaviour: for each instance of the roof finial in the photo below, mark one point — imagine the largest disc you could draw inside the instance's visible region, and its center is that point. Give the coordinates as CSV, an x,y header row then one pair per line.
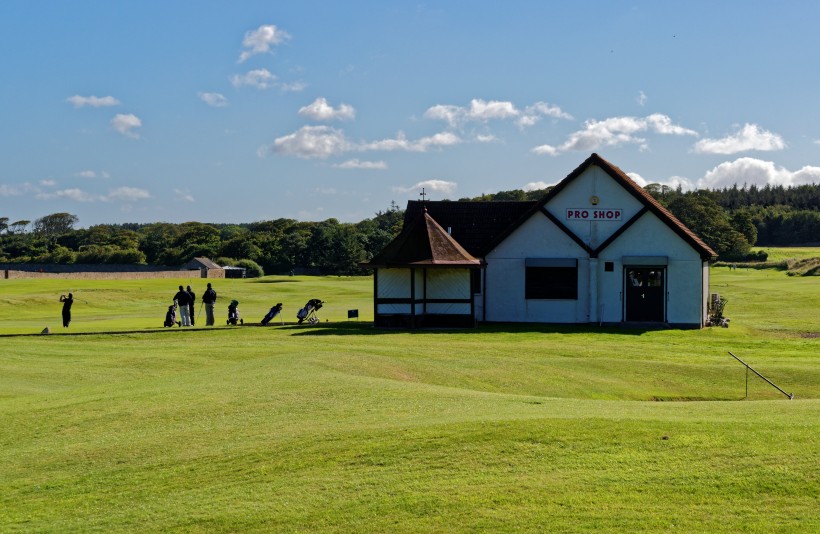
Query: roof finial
x,y
423,195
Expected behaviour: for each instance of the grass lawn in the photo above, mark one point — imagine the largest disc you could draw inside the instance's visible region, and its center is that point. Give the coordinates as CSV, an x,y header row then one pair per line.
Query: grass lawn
x,y
340,427
789,253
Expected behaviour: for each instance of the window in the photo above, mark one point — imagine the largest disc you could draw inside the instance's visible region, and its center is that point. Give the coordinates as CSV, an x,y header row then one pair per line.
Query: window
x,y
609,266
475,281
551,283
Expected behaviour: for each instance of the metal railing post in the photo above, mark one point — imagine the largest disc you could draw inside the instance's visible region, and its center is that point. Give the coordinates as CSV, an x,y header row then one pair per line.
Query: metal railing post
x,y
750,368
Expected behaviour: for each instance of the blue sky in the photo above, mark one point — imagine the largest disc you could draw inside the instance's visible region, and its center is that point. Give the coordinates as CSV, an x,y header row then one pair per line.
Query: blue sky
x,y
245,111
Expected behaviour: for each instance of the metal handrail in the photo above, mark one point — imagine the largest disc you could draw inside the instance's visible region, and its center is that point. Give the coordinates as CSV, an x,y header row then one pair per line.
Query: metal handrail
x,y
748,368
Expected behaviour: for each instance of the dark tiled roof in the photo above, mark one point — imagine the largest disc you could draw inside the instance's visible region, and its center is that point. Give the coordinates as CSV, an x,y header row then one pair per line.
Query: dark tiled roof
x,y
423,242
475,225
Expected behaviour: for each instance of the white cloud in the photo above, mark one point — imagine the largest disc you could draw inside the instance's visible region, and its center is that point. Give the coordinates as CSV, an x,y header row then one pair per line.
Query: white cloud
x,y
9,190
320,110
533,114
125,124
261,40
75,194
615,131
641,99
92,174
751,171
293,87
422,144
486,138
215,100
749,137
638,179
440,186
92,101
47,183
259,78
128,194
183,195
125,194
483,111
312,142
536,186
367,165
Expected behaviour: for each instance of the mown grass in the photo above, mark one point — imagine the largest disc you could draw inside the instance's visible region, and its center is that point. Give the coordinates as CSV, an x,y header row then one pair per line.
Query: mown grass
x,y
776,254
341,427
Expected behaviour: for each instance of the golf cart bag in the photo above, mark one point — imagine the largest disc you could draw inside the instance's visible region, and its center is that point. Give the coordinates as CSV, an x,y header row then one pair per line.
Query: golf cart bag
x,y
308,313
272,313
171,317
233,313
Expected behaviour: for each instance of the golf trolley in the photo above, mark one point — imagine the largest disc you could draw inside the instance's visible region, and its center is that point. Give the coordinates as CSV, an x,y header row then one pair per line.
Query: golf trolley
x,y
308,313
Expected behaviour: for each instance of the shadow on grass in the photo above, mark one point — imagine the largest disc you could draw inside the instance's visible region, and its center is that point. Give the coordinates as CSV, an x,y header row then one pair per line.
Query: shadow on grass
x,y
367,329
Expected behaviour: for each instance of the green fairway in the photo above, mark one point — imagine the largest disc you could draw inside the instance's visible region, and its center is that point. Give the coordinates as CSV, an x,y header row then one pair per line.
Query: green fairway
x,y
340,427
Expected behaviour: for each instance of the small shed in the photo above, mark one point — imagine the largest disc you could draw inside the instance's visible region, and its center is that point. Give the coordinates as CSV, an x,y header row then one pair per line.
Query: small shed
x,y
207,268
424,278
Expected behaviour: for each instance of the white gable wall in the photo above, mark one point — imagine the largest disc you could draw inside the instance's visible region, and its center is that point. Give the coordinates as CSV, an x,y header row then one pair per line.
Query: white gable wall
x,y
600,293
649,236
538,237
576,195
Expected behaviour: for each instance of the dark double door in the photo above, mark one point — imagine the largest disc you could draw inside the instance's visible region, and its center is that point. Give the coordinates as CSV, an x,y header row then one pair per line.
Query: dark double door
x,y
645,294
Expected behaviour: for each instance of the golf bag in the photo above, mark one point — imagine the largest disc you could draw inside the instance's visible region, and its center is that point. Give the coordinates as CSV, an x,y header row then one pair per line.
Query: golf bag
x,y
233,313
171,317
272,313
308,313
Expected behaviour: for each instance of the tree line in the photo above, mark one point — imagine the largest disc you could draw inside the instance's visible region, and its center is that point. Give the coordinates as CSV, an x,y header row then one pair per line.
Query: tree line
x,y
733,219
275,246
730,220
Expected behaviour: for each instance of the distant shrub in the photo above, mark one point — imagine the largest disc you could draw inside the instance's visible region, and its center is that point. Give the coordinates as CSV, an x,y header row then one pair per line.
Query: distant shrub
x,y
252,269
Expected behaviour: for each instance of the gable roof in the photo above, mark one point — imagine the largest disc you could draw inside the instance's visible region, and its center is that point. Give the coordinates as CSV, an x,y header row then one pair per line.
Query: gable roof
x,y
473,224
423,242
648,201
203,262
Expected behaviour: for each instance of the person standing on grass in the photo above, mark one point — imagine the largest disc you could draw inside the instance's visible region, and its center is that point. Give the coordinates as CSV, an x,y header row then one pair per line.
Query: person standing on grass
x,y
183,299
209,298
67,302
192,304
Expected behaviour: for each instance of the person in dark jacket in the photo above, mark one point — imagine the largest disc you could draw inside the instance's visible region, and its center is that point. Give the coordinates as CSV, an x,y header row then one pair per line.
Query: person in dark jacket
x,y
183,299
67,302
192,305
209,298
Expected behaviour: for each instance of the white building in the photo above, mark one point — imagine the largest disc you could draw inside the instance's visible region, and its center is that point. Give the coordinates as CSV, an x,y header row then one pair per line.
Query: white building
x,y
596,249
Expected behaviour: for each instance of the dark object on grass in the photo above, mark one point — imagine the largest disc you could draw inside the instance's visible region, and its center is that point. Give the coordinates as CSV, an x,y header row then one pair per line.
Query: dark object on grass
x,y
273,312
308,313
233,313
171,317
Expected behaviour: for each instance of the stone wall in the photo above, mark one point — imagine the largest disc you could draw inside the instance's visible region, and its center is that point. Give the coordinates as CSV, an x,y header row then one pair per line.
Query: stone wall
x,y
102,271
9,274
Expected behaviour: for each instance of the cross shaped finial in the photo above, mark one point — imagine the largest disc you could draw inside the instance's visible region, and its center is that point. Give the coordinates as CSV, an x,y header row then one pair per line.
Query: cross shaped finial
x,y
423,195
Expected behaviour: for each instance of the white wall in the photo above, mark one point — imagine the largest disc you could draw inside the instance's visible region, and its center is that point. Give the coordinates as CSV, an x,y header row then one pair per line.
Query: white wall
x,y
611,196
600,293
649,236
393,284
448,284
538,237
441,283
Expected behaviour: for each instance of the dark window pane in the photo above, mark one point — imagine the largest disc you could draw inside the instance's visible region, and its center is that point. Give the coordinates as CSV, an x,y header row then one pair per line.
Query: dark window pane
x,y
551,283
